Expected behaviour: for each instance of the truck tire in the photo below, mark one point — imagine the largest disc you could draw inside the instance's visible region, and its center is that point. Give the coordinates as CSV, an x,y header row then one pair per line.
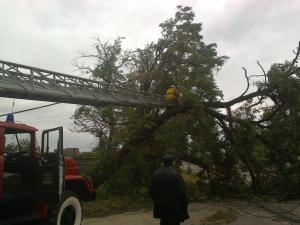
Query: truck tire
x,y
69,212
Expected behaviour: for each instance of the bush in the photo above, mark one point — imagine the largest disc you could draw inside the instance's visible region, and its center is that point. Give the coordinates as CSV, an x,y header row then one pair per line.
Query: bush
x,y
192,188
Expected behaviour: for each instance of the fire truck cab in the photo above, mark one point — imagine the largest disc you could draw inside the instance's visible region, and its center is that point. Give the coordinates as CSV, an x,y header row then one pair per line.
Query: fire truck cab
x,y
39,183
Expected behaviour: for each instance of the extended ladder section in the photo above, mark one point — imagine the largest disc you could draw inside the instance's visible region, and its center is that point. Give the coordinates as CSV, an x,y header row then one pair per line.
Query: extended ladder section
x,y
25,82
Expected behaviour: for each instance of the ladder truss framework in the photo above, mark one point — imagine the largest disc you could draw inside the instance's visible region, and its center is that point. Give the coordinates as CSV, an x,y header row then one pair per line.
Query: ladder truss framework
x,y
24,82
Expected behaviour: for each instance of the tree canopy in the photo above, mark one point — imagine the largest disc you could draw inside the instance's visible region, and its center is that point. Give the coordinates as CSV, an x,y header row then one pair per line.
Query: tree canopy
x,y
256,132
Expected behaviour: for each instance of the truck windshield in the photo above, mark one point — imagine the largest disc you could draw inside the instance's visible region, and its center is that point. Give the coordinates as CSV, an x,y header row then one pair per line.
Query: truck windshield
x,y
17,142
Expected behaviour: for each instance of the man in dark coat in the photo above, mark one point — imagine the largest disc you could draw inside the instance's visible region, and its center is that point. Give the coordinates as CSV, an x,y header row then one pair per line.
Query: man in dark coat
x,y
168,192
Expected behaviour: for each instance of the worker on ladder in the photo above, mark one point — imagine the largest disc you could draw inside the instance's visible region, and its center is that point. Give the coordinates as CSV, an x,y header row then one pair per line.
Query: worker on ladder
x,y
173,95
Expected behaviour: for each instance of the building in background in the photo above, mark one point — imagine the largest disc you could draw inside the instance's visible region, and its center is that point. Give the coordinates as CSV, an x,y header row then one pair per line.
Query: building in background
x,y
71,152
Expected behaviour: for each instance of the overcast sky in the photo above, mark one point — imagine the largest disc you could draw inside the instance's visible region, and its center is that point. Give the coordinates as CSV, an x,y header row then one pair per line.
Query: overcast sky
x,y
50,33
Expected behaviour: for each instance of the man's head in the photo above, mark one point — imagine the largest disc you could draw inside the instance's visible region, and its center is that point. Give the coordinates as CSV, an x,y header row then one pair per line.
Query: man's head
x,y
167,160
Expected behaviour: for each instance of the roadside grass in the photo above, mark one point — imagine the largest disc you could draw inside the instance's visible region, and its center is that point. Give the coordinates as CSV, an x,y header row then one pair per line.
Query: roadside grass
x,y
113,205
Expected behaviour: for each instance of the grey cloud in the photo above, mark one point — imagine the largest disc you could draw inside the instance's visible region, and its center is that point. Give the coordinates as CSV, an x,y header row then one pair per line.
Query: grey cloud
x,y
252,30
256,19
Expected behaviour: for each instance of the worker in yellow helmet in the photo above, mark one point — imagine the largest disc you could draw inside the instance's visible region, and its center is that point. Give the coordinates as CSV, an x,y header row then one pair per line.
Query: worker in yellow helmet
x,y
172,94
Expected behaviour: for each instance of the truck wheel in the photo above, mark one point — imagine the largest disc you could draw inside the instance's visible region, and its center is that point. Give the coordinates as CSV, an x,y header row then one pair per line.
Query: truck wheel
x,y
69,212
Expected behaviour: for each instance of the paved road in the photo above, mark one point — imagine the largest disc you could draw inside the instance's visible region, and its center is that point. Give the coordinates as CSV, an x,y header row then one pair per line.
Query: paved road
x,y
238,213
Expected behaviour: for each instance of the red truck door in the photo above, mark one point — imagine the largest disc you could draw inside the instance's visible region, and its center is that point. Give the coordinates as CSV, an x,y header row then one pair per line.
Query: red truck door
x,y
52,170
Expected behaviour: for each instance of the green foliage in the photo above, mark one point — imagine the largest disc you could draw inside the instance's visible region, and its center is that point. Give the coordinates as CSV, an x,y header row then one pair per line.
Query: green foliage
x,y
286,87
252,148
130,178
179,57
103,169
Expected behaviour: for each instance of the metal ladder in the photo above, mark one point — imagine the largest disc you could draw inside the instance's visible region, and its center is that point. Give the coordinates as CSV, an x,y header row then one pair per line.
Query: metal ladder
x,y
26,82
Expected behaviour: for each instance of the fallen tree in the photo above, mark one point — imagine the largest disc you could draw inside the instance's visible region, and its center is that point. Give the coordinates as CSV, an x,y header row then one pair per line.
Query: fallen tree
x,y
221,137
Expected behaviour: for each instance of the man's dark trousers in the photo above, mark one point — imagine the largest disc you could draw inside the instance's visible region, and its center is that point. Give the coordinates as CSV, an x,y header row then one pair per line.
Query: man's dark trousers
x,y
164,221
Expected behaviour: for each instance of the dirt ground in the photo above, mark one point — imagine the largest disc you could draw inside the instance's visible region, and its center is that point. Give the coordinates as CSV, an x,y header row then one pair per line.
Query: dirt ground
x,y
233,213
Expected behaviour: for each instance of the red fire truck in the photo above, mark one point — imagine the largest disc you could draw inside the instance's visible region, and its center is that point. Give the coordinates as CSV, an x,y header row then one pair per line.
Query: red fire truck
x,y
39,183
